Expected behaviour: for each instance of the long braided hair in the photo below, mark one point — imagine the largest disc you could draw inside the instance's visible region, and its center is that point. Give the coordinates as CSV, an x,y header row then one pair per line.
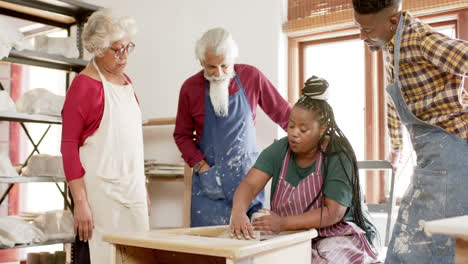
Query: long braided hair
x,y
314,95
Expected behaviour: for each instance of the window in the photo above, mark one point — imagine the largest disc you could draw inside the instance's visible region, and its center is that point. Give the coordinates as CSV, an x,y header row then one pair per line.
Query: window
x,y
344,71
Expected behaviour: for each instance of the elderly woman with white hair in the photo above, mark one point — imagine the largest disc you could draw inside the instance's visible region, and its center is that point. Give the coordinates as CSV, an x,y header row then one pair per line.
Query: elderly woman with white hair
x,y
219,103
102,142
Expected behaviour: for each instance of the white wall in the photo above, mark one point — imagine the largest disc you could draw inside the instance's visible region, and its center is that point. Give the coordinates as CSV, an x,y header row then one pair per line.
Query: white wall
x,y
164,58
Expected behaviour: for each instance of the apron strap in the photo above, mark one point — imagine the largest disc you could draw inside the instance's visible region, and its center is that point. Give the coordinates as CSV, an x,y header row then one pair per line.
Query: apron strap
x,y
103,79
462,92
99,72
399,33
318,167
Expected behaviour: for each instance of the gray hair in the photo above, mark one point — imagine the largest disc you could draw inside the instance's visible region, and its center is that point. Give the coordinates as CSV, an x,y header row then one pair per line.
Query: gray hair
x,y
105,27
219,41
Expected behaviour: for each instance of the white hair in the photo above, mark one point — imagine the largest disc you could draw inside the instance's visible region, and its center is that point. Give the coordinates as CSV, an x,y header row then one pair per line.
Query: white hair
x,y
105,27
219,41
219,92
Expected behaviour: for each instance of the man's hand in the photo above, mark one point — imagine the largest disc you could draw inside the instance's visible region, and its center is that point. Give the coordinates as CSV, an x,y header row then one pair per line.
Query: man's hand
x,y
395,159
204,168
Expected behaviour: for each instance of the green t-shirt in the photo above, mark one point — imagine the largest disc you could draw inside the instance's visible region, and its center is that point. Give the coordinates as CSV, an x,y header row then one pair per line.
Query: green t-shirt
x,y
337,182
336,186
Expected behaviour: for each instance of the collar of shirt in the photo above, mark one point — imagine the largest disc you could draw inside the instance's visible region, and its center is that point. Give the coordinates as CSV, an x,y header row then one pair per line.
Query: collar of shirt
x,y
391,45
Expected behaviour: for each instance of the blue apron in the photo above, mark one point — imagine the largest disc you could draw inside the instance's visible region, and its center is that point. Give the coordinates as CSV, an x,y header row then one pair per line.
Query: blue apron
x,y
438,187
229,146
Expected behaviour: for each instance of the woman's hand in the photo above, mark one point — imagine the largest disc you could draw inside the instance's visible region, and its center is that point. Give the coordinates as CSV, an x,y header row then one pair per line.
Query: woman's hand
x,y
252,184
84,224
240,225
269,224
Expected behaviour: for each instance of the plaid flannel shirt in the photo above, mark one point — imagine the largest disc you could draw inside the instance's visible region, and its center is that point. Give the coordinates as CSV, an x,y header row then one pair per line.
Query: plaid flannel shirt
x,y
432,69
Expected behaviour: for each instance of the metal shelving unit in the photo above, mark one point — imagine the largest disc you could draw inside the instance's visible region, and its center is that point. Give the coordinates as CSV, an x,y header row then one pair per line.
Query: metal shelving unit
x,y
45,60
28,118
24,179
60,13
57,13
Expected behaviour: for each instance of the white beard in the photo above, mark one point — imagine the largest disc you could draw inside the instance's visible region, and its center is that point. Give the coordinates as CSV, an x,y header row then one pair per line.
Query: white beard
x,y
219,93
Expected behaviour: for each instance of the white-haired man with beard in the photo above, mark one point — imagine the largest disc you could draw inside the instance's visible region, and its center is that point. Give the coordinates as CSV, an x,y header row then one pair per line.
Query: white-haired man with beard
x,y
219,104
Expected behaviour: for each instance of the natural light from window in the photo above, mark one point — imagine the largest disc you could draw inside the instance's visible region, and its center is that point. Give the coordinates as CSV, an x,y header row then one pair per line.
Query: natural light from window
x,y
342,65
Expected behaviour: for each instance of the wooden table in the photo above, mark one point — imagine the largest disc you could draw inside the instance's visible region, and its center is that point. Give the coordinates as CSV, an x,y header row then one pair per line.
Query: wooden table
x,y
457,227
201,245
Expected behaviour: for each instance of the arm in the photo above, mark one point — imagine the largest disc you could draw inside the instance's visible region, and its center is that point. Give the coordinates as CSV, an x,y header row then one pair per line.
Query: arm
x,y
331,213
395,130
250,186
73,125
450,55
184,129
83,225
272,103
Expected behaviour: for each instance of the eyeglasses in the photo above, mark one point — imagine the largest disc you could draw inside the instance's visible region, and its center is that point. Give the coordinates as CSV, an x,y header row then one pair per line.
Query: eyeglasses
x,y
120,52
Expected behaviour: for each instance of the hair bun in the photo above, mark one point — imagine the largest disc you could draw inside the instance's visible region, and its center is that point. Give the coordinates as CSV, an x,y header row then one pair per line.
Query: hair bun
x,y
316,88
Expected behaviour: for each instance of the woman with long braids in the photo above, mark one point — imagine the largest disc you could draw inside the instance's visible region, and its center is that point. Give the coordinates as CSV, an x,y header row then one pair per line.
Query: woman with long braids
x,y
315,184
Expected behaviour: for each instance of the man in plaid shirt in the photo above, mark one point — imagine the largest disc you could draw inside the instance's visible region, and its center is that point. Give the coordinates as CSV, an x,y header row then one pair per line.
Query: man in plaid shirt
x,y
425,72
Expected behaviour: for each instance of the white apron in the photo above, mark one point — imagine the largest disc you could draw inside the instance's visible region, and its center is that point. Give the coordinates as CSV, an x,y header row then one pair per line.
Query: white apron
x,y
113,161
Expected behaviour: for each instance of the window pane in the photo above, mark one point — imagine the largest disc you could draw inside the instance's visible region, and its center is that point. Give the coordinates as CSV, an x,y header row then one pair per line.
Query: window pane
x,y
448,30
344,71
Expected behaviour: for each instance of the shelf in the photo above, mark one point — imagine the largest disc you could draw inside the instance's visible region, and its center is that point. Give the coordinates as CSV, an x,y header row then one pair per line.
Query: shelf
x,y
46,60
56,13
49,242
23,117
164,177
59,13
25,179
46,119
159,121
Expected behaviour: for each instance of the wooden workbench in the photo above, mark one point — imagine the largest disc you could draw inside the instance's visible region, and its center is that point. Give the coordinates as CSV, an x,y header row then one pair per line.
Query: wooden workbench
x,y
201,245
456,227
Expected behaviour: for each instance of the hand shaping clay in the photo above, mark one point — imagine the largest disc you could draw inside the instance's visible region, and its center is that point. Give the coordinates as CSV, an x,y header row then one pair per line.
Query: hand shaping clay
x,y
257,215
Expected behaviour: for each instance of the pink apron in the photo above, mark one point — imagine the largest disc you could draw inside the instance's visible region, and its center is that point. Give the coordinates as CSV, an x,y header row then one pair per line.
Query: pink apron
x,y
343,242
